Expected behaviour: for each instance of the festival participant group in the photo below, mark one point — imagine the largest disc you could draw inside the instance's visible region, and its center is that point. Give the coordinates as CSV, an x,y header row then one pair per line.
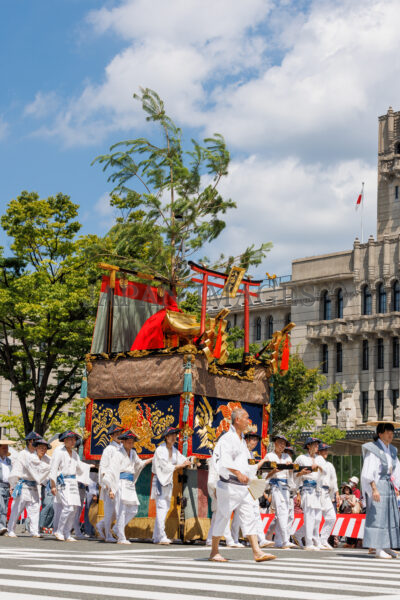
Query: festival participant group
x,y
54,490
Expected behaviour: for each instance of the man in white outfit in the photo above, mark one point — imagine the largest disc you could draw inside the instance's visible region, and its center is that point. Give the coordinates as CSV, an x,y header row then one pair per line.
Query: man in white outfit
x,y
30,471
167,459
120,479
252,439
308,482
212,481
281,481
65,466
103,527
5,470
232,491
329,490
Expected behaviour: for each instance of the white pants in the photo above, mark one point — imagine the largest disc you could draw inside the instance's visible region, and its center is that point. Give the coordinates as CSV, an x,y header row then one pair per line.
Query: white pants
x,y
57,512
328,512
231,497
109,512
227,533
312,512
236,524
32,506
77,519
281,502
66,514
163,502
124,514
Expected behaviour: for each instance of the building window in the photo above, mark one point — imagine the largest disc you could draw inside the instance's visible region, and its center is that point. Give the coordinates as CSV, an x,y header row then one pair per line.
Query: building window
x,y
325,365
228,325
365,355
338,404
367,301
258,328
381,298
339,357
270,327
396,353
234,320
397,148
396,192
324,413
339,304
288,318
379,405
396,296
364,406
326,307
395,401
380,355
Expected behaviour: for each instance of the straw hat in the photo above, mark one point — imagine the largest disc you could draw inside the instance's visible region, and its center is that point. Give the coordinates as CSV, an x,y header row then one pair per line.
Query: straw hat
x,y
4,442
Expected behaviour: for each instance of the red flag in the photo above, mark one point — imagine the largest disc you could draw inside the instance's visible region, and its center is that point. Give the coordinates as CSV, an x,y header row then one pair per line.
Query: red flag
x,y
360,197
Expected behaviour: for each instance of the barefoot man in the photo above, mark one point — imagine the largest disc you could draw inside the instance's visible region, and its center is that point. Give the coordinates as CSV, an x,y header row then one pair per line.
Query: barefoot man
x,y
232,493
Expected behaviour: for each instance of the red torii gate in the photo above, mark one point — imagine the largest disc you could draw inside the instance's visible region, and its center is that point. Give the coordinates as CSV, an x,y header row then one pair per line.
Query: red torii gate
x,y
246,283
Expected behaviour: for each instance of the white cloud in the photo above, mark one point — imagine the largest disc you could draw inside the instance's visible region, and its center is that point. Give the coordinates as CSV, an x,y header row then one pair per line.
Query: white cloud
x,y
43,105
296,93
303,209
4,128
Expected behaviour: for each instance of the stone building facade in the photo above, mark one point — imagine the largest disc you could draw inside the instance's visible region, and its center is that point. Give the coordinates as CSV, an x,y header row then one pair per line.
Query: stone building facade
x,y
346,305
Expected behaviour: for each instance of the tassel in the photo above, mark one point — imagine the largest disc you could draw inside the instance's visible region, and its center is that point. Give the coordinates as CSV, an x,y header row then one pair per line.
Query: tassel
x,y
185,447
186,410
187,378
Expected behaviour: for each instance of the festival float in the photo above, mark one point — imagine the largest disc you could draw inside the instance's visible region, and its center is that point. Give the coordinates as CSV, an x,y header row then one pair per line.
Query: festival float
x,y
152,365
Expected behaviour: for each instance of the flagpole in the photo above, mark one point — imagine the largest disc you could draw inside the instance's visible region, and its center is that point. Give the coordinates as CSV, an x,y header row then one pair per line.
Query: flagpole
x,y
362,210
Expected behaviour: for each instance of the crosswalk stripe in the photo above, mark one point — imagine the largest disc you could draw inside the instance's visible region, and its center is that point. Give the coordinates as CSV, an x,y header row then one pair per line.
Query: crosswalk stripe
x,y
335,583
20,596
160,595
190,585
239,567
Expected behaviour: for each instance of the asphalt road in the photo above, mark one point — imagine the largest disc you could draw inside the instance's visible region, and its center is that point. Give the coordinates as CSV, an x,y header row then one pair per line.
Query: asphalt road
x,y
44,568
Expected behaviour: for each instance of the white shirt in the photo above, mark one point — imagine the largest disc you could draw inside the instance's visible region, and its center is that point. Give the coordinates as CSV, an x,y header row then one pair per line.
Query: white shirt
x,y
6,469
372,469
305,460
63,462
234,454
328,477
163,465
107,458
284,459
122,463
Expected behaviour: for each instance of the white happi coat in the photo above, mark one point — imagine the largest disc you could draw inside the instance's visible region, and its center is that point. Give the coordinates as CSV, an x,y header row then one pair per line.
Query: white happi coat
x,y
123,463
310,500
29,466
63,463
163,469
328,479
110,454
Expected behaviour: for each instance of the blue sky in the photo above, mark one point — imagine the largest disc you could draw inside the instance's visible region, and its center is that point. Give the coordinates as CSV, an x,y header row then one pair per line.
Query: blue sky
x,y
295,88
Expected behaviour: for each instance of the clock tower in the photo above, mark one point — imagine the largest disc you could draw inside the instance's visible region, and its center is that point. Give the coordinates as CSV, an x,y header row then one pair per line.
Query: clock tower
x,y
388,222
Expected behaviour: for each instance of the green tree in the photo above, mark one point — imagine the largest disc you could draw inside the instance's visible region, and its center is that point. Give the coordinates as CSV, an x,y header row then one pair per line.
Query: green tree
x,y
300,396
46,310
61,422
175,207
